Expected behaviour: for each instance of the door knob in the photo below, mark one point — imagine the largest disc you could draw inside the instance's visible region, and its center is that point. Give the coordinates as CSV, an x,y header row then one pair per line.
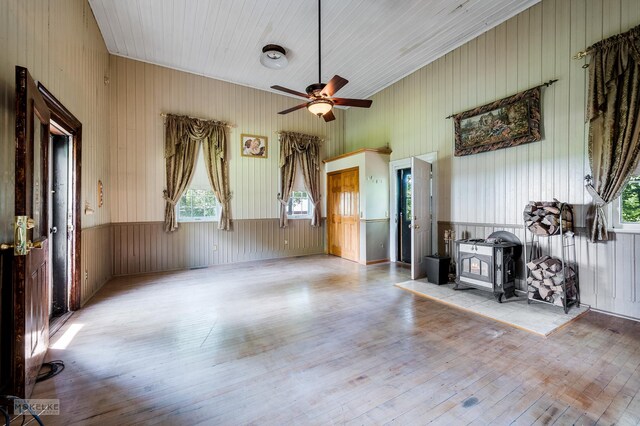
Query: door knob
x,y
6,246
416,226
54,230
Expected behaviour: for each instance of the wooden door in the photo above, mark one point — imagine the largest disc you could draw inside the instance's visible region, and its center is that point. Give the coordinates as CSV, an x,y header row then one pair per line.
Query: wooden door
x,y
334,210
30,268
420,216
350,215
343,211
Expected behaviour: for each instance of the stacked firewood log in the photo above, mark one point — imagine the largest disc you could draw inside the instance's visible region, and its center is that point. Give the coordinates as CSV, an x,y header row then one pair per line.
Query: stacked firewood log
x,y
546,277
542,218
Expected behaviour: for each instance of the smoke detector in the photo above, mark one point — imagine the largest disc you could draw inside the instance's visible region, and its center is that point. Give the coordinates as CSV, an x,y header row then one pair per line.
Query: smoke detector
x,y
274,57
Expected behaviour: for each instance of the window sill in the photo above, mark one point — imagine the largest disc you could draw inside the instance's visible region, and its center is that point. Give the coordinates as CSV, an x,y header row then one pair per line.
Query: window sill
x,y
198,220
624,230
299,217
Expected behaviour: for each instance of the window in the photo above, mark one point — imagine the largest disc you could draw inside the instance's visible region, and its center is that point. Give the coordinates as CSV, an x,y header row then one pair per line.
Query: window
x,y
299,204
198,203
626,210
407,207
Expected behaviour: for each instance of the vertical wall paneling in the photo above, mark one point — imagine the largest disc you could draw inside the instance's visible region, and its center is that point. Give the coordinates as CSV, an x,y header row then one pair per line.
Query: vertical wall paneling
x,y
141,91
97,259
61,45
492,188
142,247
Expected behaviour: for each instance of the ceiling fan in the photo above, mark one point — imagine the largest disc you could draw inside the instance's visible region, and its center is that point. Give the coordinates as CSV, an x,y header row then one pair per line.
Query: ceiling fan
x,y
319,94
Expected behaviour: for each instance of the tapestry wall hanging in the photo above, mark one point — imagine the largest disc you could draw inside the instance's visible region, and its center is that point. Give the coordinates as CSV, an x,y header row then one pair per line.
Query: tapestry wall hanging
x,y
507,122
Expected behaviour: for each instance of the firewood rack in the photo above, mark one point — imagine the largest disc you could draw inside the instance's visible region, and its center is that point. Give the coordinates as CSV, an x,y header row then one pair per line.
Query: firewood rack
x,y
534,250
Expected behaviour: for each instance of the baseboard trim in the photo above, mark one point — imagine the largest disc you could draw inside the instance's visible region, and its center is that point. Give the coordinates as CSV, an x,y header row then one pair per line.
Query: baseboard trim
x,y
374,262
600,311
96,290
163,271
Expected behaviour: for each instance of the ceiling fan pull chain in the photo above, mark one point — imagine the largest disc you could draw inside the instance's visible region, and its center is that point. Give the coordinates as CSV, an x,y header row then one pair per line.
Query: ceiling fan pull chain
x,y
320,96
319,45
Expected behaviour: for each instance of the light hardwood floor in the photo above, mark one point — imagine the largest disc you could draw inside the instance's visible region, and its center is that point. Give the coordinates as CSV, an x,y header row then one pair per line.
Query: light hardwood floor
x,y
321,340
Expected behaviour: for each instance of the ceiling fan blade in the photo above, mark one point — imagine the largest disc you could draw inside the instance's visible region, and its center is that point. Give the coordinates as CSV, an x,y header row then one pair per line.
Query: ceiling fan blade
x,y
335,84
361,103
293,92
295,108
329,116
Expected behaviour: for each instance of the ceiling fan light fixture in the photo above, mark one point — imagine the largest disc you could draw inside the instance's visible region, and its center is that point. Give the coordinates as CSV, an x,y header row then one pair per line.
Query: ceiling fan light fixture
x,y
274,57
320,107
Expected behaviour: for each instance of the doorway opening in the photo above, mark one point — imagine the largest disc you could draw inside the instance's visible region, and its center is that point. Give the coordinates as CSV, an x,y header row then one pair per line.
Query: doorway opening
x,y
62,202
65,161
421,221
404,216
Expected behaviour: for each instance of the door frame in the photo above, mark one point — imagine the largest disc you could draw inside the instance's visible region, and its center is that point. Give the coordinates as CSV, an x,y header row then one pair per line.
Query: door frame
x,y
404,163
64,118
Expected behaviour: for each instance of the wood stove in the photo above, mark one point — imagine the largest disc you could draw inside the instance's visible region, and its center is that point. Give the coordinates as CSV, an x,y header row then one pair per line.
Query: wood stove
x,y
489,264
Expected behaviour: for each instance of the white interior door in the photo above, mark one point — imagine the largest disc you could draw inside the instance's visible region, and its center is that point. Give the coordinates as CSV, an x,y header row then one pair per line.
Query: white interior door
x,y
420,216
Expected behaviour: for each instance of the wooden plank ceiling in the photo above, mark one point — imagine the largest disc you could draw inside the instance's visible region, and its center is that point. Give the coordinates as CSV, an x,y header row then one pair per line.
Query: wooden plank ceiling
x,y
371,43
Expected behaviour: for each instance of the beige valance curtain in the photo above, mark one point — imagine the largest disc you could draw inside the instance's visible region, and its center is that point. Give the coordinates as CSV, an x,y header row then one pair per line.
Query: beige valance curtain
x,y
183,136
299,150
614,122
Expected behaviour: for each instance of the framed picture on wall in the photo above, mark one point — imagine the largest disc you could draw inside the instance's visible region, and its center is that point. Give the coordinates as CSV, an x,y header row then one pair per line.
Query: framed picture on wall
x,y
254,146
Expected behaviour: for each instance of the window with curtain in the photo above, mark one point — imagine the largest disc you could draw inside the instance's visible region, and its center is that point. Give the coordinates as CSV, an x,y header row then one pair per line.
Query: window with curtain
x,y
614,132
299,205
198,202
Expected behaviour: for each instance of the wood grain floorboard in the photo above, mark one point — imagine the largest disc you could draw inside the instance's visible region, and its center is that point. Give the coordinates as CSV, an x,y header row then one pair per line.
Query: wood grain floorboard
x,y
321,340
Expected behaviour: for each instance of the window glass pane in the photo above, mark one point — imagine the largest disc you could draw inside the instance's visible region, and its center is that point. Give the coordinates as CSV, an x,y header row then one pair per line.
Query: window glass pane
x,y
630,202
197,204
37,192
407,207
299,204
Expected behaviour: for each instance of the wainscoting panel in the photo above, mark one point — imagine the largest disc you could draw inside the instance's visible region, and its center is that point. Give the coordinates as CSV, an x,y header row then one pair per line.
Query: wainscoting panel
x,y
144,246
97,259
377,234
608,271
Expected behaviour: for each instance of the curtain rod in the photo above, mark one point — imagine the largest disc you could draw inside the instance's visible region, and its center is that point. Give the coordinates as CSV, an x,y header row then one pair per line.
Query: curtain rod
x,y
581,54
223,123
279,132
631,33
547,84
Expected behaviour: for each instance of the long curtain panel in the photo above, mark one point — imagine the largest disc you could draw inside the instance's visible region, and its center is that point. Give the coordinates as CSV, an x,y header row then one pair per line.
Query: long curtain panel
x,y
215,147
183,136
299,150
614,122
